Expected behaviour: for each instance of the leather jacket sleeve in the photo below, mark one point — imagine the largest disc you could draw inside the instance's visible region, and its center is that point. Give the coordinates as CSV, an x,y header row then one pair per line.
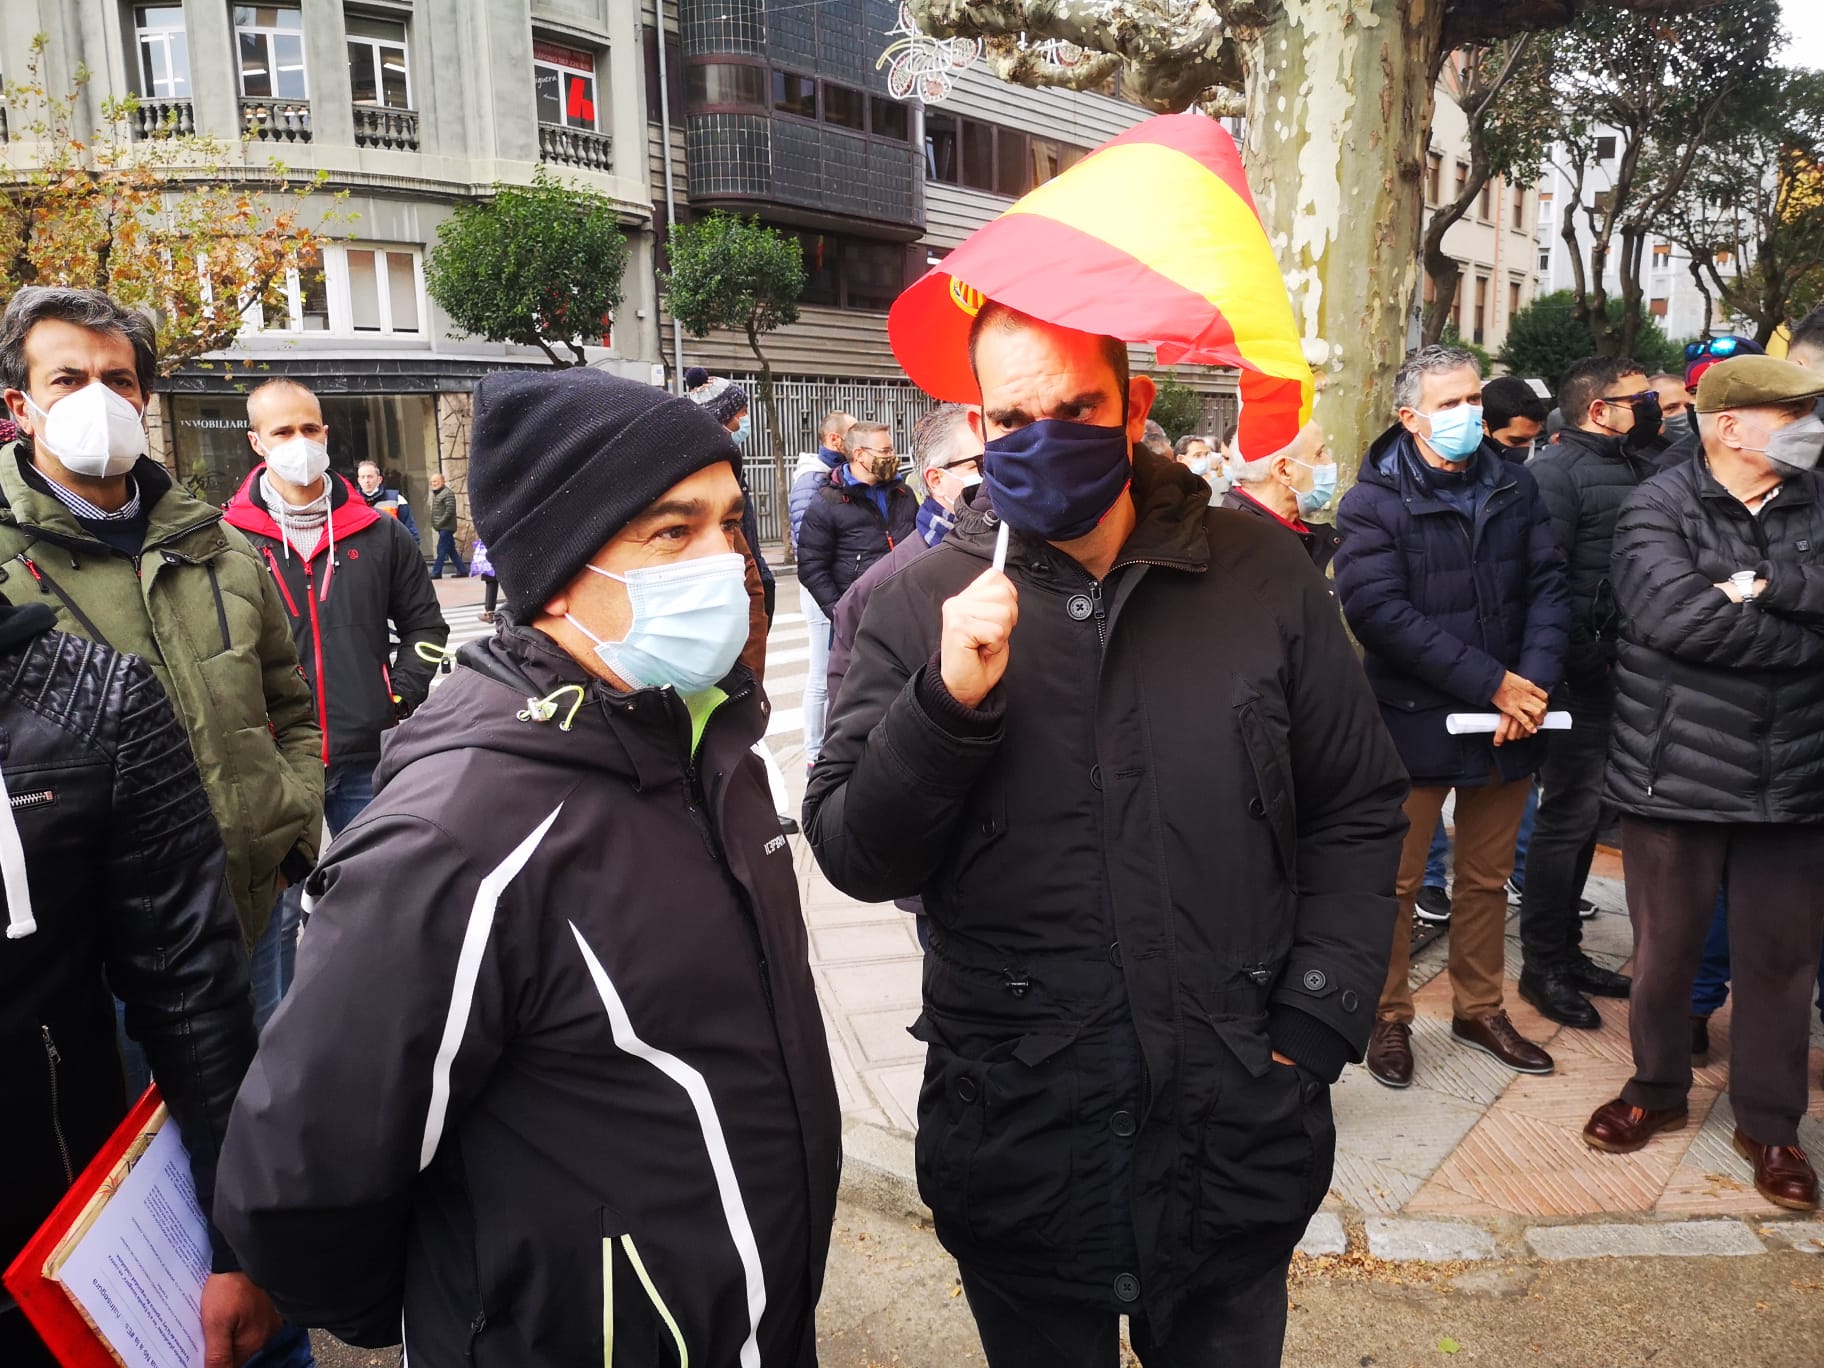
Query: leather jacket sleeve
x,y
173,942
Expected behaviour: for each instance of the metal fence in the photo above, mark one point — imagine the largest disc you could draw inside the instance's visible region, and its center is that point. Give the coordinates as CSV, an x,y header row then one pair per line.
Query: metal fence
x,y
802,406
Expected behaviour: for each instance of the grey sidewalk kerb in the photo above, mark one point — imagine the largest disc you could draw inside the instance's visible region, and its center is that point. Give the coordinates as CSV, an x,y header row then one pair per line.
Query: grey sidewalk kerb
x,y
1404,1240
1681,1238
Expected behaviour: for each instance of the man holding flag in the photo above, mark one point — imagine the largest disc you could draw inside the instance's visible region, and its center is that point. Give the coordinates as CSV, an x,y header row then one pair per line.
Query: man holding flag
x,y
1121,745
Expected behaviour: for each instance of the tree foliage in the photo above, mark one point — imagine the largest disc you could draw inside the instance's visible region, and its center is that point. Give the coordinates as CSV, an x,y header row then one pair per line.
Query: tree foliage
x,y
1755,200
1177,407
1662,91
1509,129
538,265
1546,337
161,222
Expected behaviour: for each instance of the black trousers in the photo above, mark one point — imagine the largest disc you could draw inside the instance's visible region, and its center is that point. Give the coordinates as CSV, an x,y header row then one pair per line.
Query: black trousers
x,y
1243,1326
1564,833
1775,890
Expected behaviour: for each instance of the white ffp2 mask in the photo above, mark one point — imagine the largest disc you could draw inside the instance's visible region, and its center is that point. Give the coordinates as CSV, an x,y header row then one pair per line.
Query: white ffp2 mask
x,y
94,432
298,461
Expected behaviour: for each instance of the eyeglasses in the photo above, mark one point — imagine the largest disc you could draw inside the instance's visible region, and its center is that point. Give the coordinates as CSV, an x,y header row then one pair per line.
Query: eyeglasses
x,y
975,461
875,451
1718,347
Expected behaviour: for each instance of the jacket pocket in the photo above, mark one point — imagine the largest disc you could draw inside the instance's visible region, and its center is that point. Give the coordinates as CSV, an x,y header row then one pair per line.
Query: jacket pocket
x,y
1661,734
1267,1141
995,1145
638,1326
1274,801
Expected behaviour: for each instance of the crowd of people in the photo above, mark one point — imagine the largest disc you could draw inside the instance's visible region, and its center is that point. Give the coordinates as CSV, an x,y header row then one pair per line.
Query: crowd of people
x,y
543,1079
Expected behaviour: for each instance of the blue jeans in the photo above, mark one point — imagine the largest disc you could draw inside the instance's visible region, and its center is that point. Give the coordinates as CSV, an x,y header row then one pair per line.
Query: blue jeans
x,y
1438,857
816,682
1711,987
347,789
275,956
446,548
290,1348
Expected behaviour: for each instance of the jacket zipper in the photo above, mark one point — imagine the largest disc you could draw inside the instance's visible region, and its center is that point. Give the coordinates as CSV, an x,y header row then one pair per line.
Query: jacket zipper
x,y
1095,604
52,1058
284,591
42,798
316,648
221,610
47,585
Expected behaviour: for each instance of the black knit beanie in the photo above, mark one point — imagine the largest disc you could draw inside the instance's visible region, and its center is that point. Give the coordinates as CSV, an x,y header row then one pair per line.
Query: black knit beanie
x,y
560,461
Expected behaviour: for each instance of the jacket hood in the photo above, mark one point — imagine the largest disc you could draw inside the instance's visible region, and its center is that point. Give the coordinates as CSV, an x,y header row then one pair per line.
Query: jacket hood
x,y
1170,504
348,514
501,682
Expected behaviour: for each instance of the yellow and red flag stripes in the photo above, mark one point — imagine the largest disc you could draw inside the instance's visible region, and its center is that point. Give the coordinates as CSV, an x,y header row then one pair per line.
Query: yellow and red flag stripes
x,y
1154,239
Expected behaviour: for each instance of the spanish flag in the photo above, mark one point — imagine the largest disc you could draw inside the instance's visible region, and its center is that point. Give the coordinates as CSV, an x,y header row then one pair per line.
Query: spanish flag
x,y
1153,238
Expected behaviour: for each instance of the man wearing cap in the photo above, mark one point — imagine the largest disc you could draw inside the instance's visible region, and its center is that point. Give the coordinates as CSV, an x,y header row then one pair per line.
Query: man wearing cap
x,y
552,1082
1717,763
1154,815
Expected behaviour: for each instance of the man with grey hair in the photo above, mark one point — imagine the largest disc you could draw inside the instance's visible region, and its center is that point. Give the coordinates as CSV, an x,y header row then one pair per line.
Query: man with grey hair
x,y
1289,486
94,528
1451,580
949,462
1154,439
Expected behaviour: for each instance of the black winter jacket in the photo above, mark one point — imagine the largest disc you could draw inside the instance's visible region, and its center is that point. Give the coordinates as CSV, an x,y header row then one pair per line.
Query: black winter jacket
x,y
843,534
1320,540
125,895
341,612
553,1057
1584,479
1444,609
1719,707
1164,847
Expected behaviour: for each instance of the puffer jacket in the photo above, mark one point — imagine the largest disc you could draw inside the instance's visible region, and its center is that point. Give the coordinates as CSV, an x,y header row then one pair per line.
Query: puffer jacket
x,y
360,605
1444,607
1584,479
843,534
198,606
1163,847
810,474
122,895
552,1080
1719,707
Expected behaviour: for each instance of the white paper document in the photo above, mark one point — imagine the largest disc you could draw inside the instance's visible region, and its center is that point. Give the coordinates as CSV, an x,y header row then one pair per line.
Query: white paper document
x,y
138,1271
1467,724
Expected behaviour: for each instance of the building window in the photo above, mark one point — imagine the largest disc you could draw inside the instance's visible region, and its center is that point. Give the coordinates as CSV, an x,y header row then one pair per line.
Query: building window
x,y
1012,174
978,155
564,80
844,107
1657,308
1485,208
889,119
164,52
270,43
303,307
984,156
1513,297
1662,256
377,67
941,162
1434,178
1605,149
852,273
793,94
1519,209
1462,179
382,290
1545,259
1481,309
727,83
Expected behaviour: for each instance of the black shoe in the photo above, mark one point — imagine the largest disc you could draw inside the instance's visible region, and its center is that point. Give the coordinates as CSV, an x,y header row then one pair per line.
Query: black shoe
x,y
1585,908
1700,1042
1515,889
1557,998
1433,905
1587,976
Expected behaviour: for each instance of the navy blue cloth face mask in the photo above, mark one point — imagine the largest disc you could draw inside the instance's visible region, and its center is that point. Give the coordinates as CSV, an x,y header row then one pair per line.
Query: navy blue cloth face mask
x,y
1056,480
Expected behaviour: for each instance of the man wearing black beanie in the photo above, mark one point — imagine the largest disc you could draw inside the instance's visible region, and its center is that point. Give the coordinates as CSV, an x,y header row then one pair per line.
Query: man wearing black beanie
x,y
552,1085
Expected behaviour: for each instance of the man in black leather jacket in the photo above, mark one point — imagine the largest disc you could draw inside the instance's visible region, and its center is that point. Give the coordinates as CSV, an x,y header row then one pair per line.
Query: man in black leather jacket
x,y
119,886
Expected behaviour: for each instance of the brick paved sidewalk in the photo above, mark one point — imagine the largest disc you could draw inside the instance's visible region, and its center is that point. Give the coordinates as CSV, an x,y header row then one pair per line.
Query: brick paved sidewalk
x,y
1468,1139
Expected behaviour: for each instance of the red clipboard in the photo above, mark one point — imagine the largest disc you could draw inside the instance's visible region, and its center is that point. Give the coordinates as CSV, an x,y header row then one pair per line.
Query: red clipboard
x,y
46,1305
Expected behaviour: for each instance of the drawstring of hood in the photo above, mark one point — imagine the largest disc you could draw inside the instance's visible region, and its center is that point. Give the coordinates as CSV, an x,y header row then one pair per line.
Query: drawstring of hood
x,y
304,525
546,708
19,920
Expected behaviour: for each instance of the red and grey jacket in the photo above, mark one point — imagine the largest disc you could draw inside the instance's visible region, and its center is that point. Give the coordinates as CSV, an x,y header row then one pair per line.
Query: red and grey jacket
x,y
364,574
552,1086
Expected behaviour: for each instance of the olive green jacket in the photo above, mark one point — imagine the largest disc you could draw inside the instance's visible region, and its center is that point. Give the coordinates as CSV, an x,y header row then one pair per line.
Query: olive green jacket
x,y
200,608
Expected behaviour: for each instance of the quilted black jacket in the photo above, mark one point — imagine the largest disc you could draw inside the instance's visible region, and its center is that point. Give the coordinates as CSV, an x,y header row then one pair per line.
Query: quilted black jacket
x,y
122,889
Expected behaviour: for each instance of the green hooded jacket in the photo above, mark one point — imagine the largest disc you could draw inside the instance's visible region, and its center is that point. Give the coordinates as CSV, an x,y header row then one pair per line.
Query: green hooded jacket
x,y
198,606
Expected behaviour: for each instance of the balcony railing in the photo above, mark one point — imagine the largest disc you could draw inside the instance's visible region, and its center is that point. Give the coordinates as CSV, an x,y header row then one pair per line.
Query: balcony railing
x,y
376,126
575,147
163,118
276,120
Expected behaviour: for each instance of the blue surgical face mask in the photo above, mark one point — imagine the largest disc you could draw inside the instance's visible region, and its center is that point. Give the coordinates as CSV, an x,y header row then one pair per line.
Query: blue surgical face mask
x,y
1456,432
690,622
1200,466
741,429
1056,480
1323,488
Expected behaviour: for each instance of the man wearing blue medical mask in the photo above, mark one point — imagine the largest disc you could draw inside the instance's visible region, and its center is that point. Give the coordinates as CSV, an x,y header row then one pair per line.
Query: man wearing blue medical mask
x,y
1120,744
585,1029
1291,487
1451,580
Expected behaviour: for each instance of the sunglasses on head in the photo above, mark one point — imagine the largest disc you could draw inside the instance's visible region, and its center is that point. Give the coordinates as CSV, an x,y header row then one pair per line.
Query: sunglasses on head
x,y
1718,347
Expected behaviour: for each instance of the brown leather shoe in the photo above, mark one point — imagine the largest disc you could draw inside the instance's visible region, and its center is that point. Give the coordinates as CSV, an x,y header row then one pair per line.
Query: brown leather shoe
x,y
1390,1053
1782,1173
1494,1034
1620,1127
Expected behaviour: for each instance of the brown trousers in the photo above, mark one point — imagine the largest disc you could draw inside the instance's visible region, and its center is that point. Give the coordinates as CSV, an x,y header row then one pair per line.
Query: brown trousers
x,y
1482,855
1775,879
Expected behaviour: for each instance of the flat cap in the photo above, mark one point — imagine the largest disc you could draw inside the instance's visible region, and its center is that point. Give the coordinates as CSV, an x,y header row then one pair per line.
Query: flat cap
x,y
1754,381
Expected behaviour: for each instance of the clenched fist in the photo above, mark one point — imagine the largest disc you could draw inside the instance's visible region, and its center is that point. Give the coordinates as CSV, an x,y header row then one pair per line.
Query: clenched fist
x,y
977,625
